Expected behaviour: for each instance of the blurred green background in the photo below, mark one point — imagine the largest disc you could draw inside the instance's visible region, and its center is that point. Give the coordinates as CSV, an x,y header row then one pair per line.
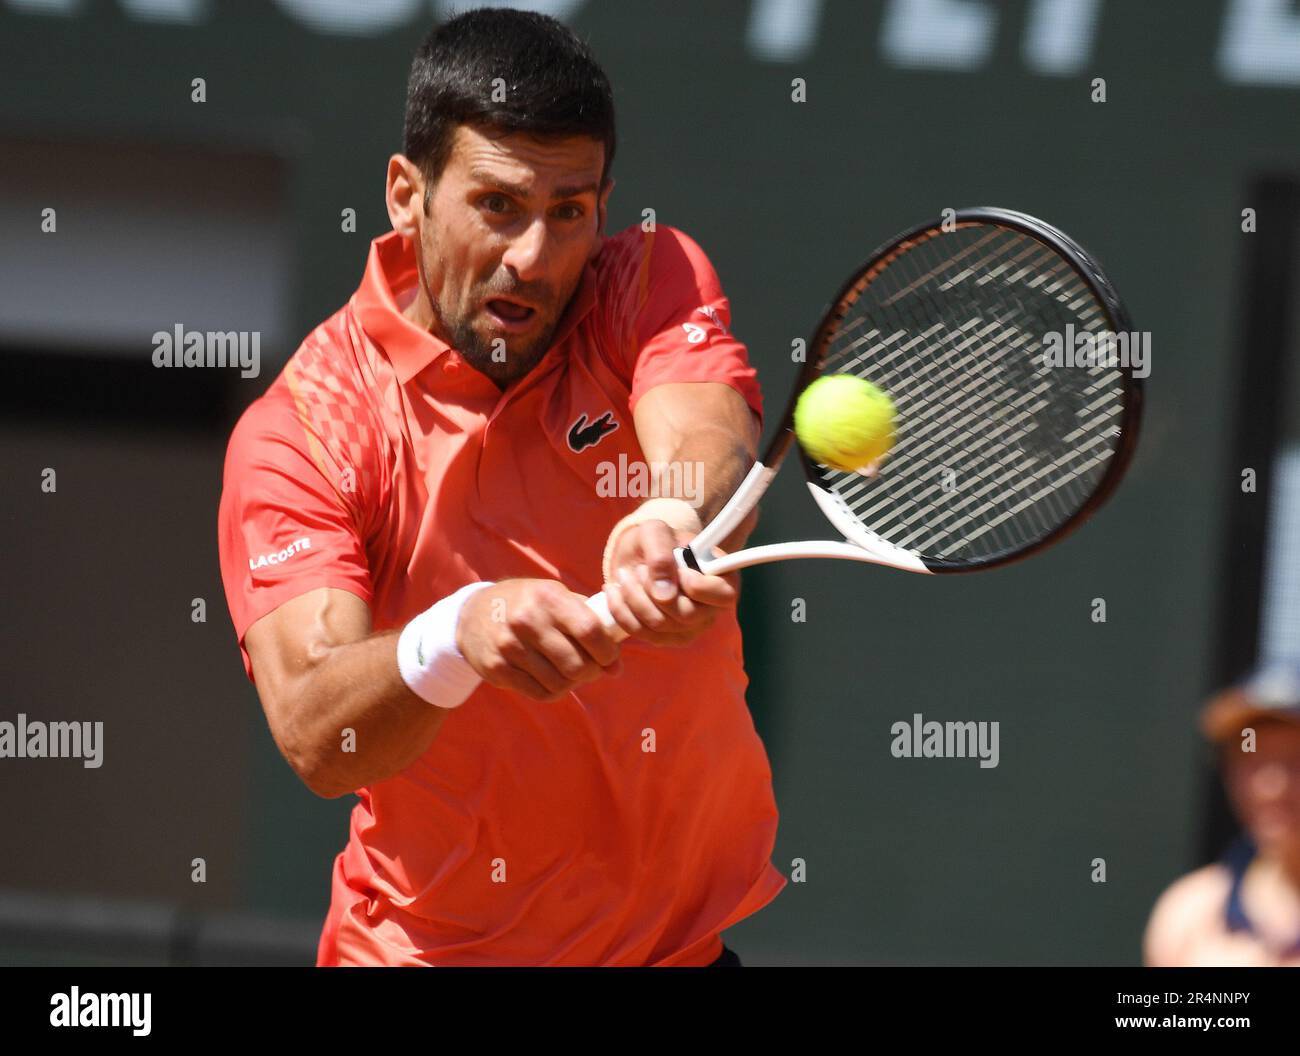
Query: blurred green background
x,y
169,209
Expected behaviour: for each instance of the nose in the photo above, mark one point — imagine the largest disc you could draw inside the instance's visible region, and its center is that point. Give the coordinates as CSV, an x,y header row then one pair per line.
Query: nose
x,y
1270,781
526,255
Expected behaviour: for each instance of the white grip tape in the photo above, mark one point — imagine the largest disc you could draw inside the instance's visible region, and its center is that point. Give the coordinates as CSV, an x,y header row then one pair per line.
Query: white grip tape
x,y
427,657
599,604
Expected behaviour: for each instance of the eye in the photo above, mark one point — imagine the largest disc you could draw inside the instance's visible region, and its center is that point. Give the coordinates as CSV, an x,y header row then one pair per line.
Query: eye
x,y
569,211
495,203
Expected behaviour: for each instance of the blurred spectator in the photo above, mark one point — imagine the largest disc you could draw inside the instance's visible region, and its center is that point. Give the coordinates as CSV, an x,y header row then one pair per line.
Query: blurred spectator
x,y
1245,908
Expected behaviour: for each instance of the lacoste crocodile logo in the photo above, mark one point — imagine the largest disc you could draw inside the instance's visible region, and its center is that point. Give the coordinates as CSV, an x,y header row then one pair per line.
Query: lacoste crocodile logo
x,y
582,435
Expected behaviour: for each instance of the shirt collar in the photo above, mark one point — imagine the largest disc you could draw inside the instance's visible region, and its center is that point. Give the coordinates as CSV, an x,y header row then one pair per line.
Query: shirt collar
x,y
391,269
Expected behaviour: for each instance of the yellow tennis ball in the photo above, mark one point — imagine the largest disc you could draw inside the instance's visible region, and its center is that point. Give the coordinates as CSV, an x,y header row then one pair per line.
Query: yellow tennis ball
x,y
844,422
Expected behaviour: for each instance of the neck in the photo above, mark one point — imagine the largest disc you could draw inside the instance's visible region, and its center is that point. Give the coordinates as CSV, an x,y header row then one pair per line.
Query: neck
x,y
420,311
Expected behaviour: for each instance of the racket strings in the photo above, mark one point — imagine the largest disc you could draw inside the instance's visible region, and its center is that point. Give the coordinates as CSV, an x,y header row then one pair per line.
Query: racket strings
x,y
995,447
964,464
1009,423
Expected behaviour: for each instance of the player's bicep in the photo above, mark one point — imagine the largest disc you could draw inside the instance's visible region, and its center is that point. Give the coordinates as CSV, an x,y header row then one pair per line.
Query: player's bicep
x,y
286,526
287,644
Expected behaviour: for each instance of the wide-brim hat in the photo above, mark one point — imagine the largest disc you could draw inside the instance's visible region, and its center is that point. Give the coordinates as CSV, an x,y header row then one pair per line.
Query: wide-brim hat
x,y
1271,691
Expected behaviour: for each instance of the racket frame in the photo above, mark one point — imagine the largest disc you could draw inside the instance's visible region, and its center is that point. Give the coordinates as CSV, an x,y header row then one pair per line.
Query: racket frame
x,y
1089,271
859,543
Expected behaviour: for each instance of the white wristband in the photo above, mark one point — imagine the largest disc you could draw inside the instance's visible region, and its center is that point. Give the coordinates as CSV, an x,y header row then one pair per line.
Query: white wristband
x,y
427,657
678,514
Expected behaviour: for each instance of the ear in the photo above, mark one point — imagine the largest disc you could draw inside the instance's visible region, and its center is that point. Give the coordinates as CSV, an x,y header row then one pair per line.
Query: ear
x,y
602,210
404,196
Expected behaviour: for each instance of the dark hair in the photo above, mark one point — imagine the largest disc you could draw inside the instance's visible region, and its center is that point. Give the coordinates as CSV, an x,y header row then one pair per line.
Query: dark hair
x,y
553,85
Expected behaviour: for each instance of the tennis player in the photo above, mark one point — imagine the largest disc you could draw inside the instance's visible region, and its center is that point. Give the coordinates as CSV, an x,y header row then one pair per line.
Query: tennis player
x,y
414,511
1245,909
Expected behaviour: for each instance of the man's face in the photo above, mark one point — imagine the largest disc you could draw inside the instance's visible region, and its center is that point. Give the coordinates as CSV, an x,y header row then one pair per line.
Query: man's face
x,y
1264,786
507,231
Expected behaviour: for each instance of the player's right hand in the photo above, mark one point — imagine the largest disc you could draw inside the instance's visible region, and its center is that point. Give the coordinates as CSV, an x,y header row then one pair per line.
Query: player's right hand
x,y
651,598
536,637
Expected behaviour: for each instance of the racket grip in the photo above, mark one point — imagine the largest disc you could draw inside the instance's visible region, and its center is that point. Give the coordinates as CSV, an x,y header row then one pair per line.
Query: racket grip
x,y
599,604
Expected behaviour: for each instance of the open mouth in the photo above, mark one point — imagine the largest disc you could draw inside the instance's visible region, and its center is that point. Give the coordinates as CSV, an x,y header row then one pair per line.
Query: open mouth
x,y
510,315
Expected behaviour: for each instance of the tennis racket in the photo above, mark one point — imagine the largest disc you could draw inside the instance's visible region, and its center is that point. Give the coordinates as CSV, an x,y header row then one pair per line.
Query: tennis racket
x,y
1000,449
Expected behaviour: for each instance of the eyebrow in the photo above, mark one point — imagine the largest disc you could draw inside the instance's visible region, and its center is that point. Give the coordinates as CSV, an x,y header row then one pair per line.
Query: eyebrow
x,y
568,190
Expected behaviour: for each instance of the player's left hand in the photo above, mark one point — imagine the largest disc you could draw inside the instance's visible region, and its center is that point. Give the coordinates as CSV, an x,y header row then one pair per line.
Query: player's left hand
x,y
653,599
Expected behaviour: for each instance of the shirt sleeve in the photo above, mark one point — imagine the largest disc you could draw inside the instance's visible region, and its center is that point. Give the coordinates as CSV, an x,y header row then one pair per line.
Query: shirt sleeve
x,y
283,528
682,330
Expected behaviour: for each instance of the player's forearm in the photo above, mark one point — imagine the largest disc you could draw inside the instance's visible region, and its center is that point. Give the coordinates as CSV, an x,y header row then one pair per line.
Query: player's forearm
x,y
355,720
713,460
700,439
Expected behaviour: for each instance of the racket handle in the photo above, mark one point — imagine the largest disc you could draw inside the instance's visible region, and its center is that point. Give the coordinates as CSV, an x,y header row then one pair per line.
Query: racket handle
x,y
599,604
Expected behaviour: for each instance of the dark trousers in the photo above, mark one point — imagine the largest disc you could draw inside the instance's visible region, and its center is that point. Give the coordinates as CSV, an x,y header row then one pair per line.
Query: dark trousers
x,y
728,959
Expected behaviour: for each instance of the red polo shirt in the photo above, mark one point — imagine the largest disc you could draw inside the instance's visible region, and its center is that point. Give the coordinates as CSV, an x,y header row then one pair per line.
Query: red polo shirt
x,y
630,822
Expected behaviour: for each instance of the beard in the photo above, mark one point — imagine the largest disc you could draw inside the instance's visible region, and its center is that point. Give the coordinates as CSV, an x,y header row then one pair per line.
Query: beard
x,y
521,353
482,353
